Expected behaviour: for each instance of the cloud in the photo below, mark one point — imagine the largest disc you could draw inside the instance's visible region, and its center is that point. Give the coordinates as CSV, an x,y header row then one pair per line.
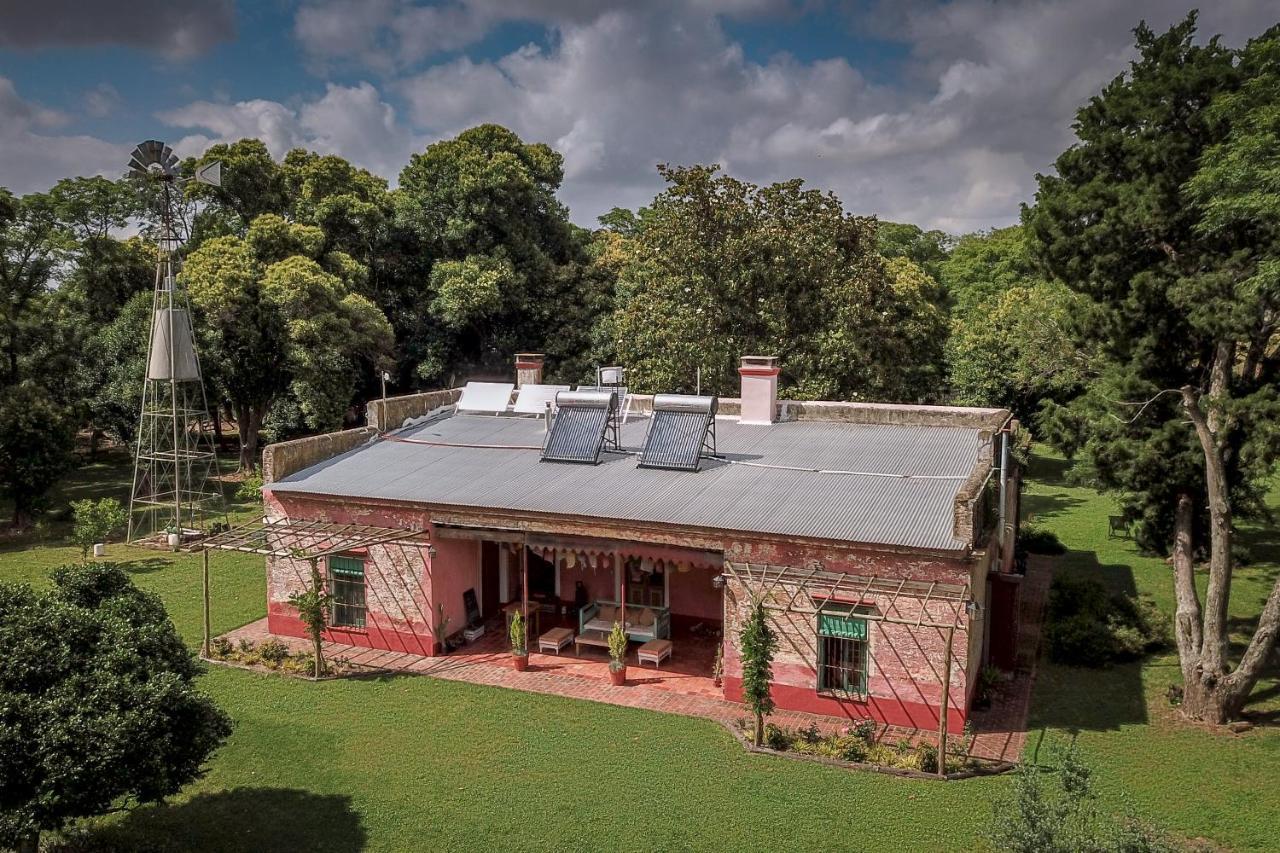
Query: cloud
x,y
984,101
352,121
33,157
101,100
176,29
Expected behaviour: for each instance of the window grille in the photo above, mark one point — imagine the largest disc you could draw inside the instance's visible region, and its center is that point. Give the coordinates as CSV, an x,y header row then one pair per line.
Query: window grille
x,y
842,651
346,585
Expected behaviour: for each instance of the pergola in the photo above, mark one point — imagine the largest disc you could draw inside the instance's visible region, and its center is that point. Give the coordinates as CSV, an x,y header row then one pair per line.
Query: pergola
x,y
806,591
301,540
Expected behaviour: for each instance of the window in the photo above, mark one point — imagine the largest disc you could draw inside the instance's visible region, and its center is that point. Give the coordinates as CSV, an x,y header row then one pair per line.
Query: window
x,y
346,585
646,587
842,650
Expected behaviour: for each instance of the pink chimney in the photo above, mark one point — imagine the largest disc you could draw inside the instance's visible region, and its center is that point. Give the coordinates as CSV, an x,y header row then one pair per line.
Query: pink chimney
x,y
759,388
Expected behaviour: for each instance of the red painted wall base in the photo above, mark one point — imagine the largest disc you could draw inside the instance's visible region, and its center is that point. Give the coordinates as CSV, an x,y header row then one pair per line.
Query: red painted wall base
x,y
372,637
893,712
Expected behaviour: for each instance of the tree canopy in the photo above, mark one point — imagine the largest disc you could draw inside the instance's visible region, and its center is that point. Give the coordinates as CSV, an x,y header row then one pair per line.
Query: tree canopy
x,y
1180,417
98,702
722,268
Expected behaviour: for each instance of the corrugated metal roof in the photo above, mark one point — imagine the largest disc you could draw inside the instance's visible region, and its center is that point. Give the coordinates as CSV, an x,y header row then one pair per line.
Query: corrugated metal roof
x,y
755,488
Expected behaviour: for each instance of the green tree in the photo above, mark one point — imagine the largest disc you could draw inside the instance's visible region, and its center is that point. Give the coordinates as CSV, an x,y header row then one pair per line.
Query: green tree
x,y
1181,420
31,246
482,211
278,324
99,702
95,521
252,184
758,645
36,441
724,268
1018,350
983,265
925,249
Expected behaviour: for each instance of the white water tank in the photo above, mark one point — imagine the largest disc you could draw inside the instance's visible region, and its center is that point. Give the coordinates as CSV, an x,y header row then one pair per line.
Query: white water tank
x,y
185,367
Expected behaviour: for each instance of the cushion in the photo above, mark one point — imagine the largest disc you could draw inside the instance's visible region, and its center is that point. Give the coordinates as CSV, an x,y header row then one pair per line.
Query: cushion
x,y
645,618
607,612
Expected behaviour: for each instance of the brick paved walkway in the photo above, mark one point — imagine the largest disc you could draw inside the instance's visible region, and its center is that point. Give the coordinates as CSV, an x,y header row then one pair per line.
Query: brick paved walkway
x,y
1000,730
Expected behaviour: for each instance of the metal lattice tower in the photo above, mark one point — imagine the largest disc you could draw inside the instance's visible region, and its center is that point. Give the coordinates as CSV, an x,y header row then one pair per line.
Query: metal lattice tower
x,y
175,463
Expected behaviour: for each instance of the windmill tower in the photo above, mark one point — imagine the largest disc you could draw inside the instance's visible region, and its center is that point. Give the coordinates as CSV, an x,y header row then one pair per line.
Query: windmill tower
x,y
175,463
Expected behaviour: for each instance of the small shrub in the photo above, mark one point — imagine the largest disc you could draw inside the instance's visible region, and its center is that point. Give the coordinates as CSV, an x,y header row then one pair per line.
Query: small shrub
x,y
776,738
617,648
1088,626
865,731
811,734
852,748
927,757
220,648
250,488
273,652
989,679
95,521
1174,694
246,646
1037,540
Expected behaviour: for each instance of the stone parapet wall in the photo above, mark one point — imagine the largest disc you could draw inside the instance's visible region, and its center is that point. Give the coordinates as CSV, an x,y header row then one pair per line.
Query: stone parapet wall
x,y
391,413
283,458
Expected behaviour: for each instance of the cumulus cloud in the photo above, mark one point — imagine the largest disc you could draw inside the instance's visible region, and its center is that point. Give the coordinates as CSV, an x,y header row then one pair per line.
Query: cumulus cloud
x,y
176,29
33,156
352,121
985,100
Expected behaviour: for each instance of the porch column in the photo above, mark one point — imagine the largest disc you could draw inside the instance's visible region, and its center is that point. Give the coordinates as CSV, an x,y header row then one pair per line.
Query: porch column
x,y
946,696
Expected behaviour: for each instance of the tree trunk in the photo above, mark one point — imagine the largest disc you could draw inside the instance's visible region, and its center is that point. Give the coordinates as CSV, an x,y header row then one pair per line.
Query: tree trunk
x,y
317,643
1187,624
248,424
759,732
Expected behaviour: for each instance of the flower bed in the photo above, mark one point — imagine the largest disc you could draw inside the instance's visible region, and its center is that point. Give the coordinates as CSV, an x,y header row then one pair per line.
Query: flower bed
x,y
856,746
273,655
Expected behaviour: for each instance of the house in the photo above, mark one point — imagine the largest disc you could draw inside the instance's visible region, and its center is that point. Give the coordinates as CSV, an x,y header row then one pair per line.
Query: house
x,y
879,537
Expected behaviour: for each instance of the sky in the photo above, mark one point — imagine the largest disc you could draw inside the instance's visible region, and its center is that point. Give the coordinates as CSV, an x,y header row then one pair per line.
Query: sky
x,y
936,113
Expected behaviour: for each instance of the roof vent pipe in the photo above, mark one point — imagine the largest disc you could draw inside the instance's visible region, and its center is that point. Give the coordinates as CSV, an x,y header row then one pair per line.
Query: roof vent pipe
x,y
759,389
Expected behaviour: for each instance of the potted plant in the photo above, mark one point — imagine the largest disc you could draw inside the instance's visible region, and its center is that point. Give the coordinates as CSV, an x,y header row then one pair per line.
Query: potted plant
x,y
617,655
174,534
519,648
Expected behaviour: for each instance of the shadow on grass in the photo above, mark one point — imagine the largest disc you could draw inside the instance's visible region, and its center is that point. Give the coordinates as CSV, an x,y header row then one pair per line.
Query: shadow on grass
x,y
1037,508
1078,699
242,820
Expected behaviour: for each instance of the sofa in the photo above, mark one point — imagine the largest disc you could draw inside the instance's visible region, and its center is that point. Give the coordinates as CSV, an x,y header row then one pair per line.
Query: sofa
x,y
643,623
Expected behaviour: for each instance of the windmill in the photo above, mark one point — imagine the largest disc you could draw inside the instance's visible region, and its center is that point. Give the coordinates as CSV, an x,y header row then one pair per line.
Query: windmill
x,y
174,486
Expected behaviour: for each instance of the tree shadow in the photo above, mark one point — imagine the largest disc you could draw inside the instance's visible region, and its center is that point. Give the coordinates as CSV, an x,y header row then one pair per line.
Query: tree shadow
x,y
144,565
1083,698
1036,508
241,820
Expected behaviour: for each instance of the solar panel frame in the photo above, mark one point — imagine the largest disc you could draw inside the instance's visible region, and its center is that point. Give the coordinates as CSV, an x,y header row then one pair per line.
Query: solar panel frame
x,y
533,399
492,397
678,432
578,431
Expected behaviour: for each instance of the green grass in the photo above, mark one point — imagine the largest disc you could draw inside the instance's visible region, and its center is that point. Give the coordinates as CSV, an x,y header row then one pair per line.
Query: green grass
x,y
408,763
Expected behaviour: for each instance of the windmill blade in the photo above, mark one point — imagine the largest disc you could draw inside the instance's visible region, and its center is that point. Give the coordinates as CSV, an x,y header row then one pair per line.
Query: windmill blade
x,y
154,157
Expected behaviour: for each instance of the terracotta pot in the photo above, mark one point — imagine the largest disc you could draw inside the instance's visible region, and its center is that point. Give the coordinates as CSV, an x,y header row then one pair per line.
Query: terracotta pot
x,y
521,662
618,677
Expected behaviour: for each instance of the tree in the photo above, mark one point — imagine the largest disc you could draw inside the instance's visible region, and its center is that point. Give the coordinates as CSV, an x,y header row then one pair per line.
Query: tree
x,y
984,265
278,323
36,441
724,268
1018,350
98,701
313,604
252,184
95,521
492,244
31,245
925,249
1182,417
758,644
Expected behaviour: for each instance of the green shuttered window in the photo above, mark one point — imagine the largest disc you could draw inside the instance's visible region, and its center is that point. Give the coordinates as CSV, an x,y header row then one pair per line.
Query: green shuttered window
x,y
346,585
842,650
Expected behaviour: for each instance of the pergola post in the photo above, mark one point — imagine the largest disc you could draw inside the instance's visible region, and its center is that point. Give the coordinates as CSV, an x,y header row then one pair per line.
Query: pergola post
x,y
524,587
204,647
316,638
946,703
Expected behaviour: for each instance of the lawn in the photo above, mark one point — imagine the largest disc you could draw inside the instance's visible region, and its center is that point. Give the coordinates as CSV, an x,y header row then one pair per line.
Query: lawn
x,y
406,763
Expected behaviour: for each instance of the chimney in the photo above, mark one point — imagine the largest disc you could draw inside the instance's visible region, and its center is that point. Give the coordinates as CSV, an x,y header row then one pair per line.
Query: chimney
x,y
759,388
529,368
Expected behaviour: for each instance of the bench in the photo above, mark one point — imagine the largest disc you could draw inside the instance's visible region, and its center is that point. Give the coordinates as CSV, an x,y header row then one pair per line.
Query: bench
x,y
643,623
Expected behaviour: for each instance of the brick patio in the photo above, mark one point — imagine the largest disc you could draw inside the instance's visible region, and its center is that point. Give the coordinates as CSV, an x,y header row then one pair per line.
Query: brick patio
x,y
683,685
